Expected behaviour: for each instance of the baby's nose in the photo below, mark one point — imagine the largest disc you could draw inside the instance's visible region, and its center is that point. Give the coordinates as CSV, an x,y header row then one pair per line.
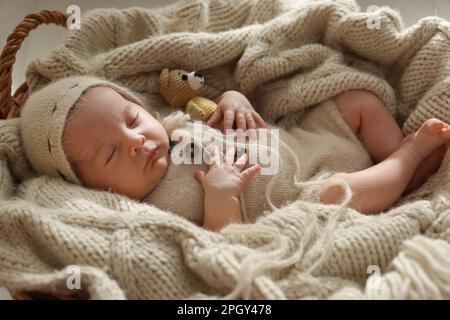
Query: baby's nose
x,y
136,144
148,146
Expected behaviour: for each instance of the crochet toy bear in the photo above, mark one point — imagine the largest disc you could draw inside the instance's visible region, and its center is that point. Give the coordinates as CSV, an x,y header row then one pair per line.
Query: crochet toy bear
x,y
180,89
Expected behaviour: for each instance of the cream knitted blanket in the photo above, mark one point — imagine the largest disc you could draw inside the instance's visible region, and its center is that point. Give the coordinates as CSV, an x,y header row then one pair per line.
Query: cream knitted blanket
x,y
285,58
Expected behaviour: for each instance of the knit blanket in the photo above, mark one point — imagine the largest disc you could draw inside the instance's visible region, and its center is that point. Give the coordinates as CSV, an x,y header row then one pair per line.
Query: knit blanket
x,y
286,57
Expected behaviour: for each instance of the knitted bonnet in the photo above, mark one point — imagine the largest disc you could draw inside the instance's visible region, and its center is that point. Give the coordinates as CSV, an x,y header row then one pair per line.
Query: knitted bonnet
x,y
43,119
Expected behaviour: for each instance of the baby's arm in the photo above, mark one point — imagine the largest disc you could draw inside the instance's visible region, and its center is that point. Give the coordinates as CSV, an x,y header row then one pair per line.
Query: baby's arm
x,y
222,185
220,211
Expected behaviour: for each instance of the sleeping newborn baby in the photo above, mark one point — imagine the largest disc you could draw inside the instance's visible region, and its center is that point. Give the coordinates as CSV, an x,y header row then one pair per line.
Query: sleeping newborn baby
x,y
95,133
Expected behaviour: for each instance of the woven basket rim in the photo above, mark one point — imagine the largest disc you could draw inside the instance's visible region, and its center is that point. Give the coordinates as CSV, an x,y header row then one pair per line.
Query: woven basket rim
x,y
10,104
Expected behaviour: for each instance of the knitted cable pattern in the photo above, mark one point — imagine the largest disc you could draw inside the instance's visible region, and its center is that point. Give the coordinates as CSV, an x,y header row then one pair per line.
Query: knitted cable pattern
x,y
286,58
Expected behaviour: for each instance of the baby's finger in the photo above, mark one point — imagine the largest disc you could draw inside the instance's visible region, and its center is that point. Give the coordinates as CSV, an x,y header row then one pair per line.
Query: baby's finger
x,y
252,135
216,117
241,162
241,120
215,154
250,172
240,134
250,121
251,127
259,120
199,175
229,157
228,120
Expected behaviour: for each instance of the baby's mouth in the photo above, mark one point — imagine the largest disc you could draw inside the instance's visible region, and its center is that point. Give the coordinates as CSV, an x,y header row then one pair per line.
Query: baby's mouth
x,y
149,157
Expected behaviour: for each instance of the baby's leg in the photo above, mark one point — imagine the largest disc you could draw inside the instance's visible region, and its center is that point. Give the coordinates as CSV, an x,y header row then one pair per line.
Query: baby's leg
x,y
427,167
377,188
369,118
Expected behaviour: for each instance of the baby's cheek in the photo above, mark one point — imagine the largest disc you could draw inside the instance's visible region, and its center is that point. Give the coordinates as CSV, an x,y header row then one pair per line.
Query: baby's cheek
x,y
159,168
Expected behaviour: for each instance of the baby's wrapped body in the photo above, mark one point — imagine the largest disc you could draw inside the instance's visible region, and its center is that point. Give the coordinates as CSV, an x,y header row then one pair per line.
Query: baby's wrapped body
x,y
321,145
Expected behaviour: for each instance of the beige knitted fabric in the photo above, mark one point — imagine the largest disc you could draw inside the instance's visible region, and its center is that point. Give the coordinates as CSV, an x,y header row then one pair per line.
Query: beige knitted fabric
x,y
285,60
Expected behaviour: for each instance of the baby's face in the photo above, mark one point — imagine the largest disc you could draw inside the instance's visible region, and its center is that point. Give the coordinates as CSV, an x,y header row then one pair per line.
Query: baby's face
x,y
109,139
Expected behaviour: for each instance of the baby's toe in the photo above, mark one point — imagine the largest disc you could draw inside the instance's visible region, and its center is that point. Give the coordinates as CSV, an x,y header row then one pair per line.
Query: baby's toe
x,y
445,132
434,125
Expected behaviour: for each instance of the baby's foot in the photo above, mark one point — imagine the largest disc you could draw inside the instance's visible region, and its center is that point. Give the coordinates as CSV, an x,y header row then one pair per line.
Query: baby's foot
x,y
431,135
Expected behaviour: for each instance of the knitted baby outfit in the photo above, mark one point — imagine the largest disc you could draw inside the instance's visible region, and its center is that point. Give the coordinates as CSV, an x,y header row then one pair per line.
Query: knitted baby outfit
x,y
43,119
180,193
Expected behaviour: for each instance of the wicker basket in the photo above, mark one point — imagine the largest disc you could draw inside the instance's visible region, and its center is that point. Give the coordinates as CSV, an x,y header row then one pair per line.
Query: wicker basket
x,y
11,104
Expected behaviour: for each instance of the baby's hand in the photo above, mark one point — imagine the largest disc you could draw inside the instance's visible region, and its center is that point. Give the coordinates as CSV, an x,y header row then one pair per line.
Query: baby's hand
x,y
223,183
234,105
226,179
